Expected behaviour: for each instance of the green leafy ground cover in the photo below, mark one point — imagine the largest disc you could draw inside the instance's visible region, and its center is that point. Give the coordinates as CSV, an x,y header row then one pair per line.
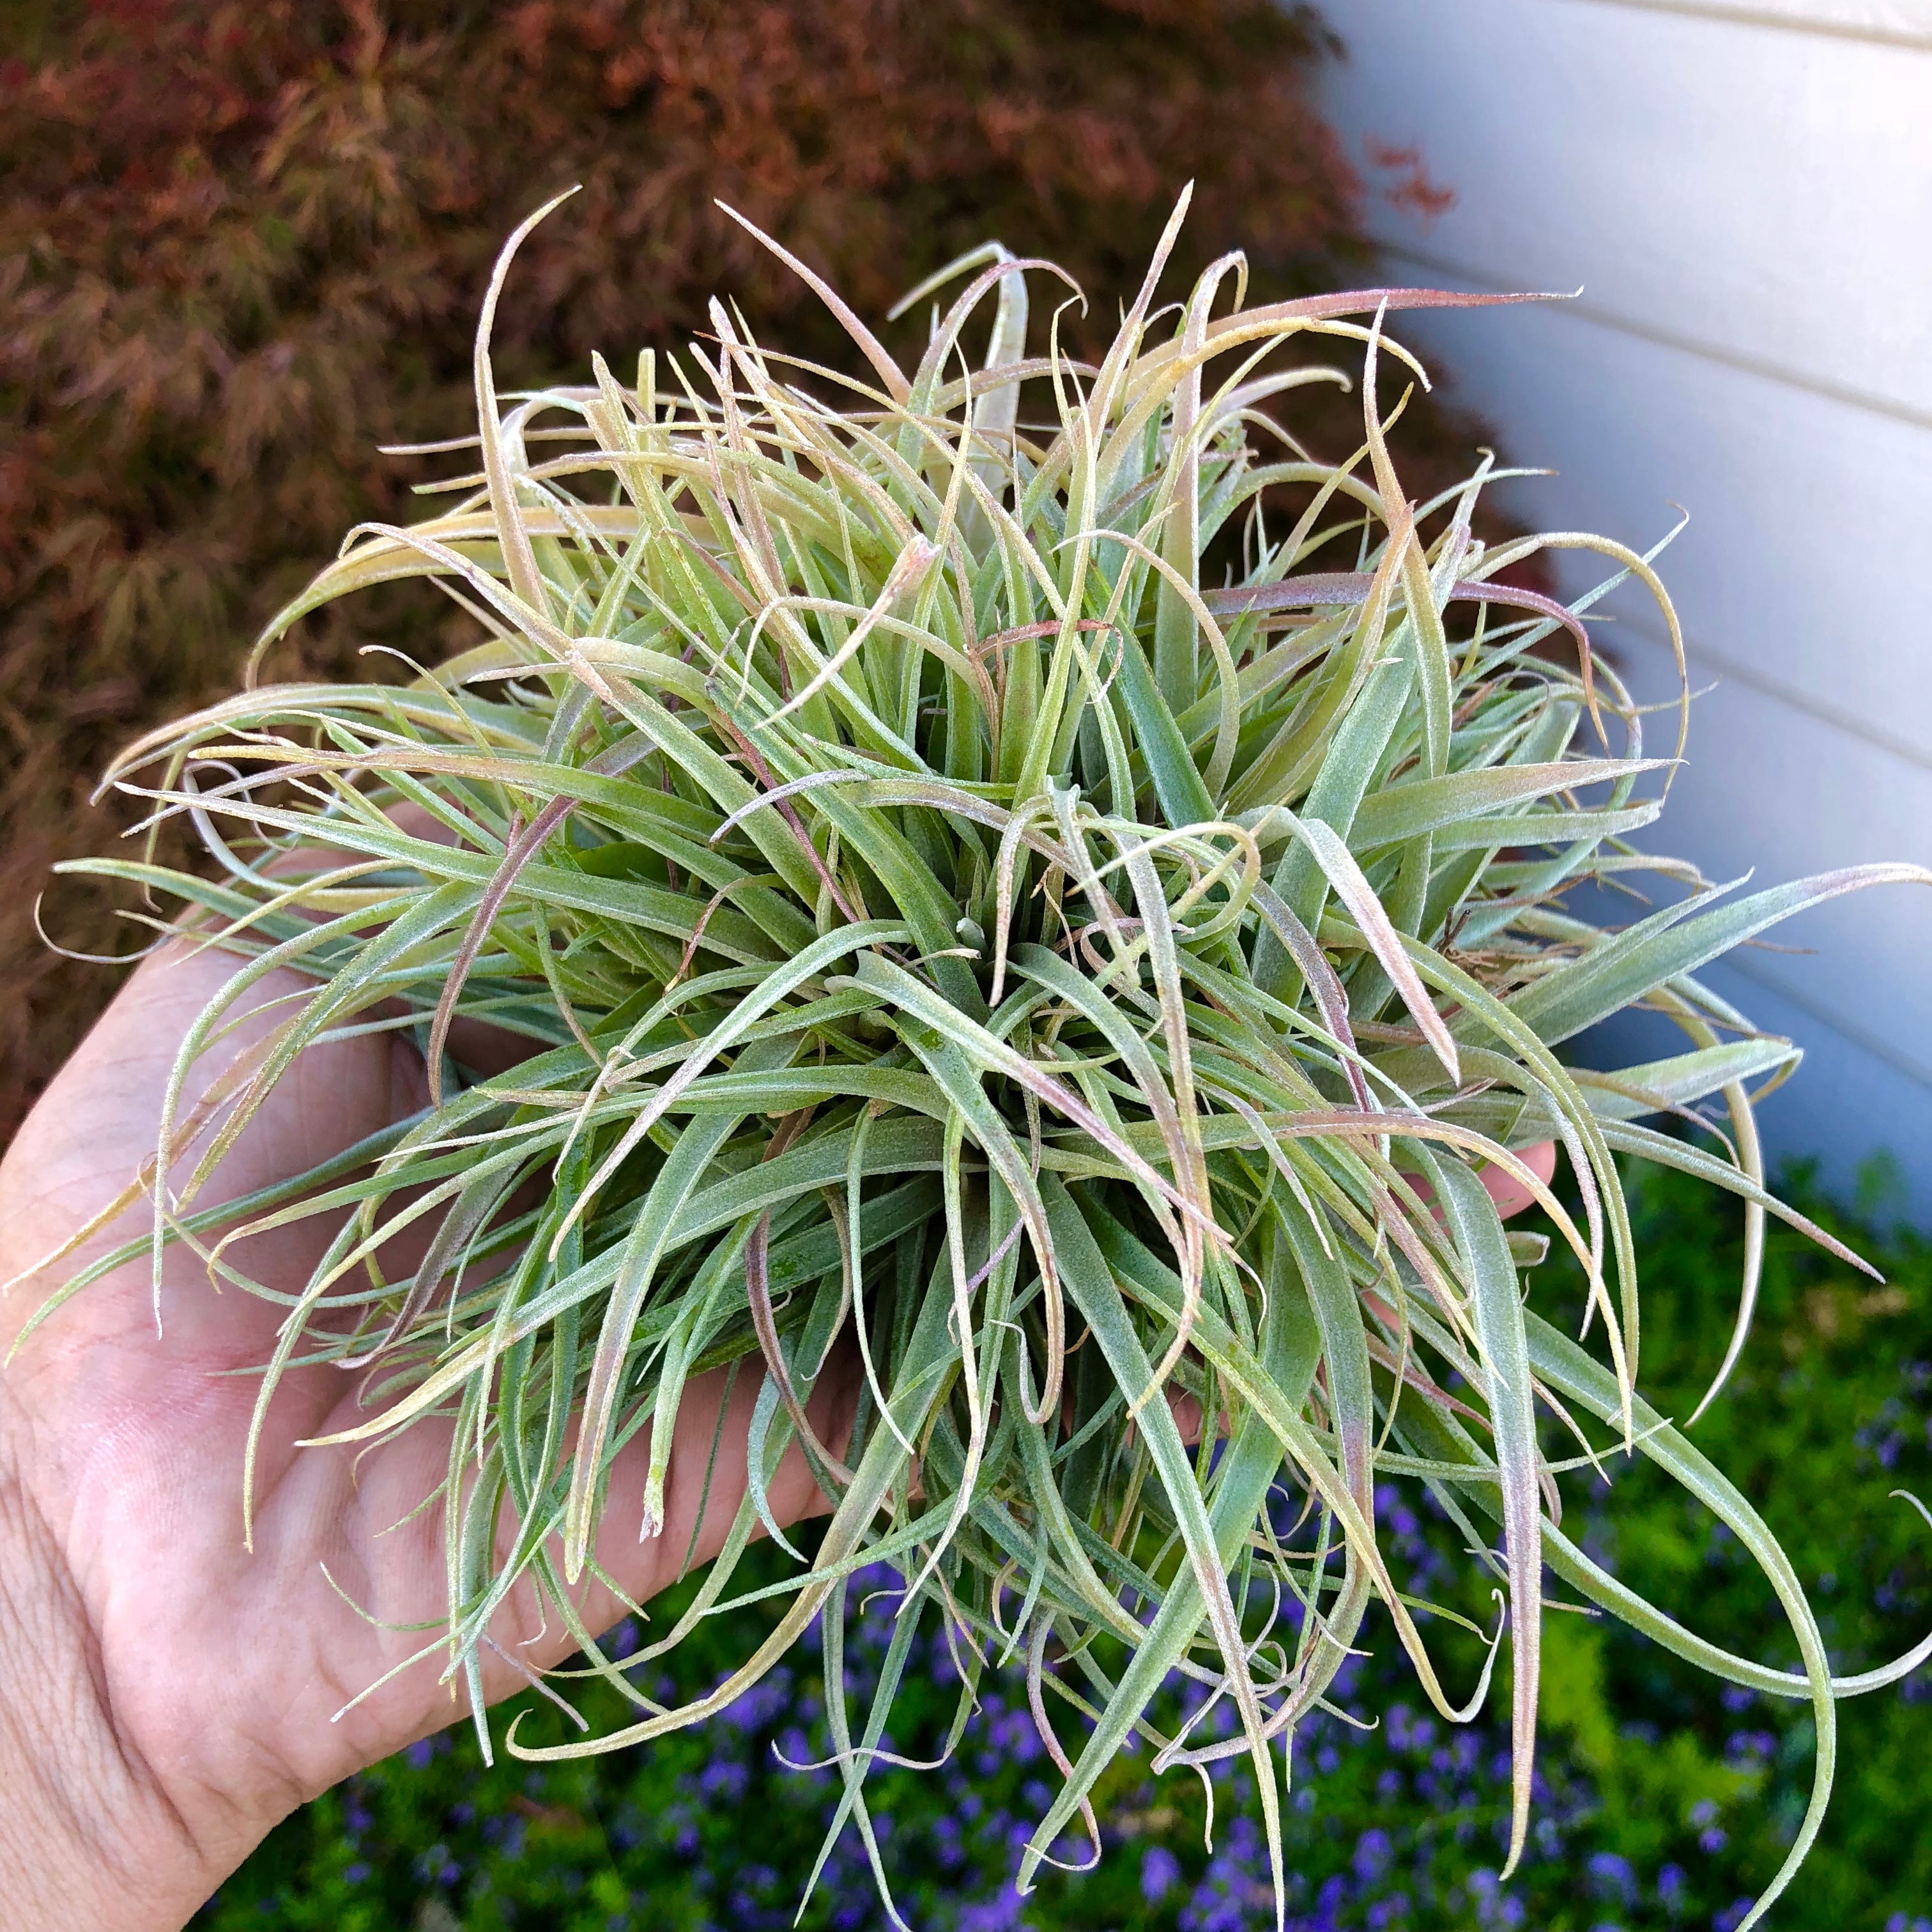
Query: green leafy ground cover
x,y
1662,1801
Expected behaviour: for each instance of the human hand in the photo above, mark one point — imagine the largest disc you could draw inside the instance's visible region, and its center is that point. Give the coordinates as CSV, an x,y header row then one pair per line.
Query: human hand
x,y
165,1695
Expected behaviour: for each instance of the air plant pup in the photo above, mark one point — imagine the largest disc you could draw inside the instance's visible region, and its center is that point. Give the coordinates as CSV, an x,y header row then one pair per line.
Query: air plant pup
x,y
978,885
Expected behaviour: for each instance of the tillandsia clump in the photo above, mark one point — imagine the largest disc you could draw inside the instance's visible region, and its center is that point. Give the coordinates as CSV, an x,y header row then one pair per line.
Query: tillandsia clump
x,y
1014,868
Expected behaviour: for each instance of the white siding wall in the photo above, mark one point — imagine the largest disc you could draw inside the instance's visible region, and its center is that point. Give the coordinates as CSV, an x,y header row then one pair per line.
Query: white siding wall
x,y
1743,193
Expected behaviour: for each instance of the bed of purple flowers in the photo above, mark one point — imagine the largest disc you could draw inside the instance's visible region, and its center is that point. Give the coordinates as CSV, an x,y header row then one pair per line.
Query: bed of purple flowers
x,y
1659,1801
1398,1826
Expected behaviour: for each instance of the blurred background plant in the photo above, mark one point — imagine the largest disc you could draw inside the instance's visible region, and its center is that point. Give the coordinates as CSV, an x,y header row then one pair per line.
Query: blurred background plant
x,y
1663,1800
242,247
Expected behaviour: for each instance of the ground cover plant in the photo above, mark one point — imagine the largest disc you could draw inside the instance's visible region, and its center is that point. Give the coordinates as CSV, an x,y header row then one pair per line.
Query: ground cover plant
x,y
1670,1797
944,918
242,248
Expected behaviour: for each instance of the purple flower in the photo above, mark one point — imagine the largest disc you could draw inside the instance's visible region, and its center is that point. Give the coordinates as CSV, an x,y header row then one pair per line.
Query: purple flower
x,y
1000,1914
1612,1875
436,1867
1373,1851
724,1779
753,1709
1159,1870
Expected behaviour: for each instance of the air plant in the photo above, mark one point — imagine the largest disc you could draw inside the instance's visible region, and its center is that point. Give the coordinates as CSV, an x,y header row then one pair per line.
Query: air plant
x,y
968,893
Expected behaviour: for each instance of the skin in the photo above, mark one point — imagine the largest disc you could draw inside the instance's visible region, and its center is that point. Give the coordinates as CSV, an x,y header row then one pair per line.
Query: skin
x,y
166,1696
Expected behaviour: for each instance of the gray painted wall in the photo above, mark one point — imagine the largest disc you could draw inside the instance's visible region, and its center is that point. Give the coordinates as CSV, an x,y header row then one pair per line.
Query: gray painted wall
x,y
1744,194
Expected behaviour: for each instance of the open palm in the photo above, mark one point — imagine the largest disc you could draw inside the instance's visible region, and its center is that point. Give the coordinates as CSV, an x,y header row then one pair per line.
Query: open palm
x,y
177,1693
166,1694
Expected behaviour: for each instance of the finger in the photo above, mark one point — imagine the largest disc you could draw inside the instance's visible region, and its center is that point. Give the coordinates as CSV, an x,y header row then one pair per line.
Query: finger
x,y
355,1515
1511,1195
85,1144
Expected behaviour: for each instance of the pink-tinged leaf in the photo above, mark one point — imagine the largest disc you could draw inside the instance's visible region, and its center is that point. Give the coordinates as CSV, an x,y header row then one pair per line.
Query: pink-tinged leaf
x,y
1351,887
1350,587
523,846
869,345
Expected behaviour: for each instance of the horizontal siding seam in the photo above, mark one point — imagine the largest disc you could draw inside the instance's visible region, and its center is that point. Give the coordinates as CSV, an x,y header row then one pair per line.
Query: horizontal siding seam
x,y
1852,723
1775,22
1761,367
1849,1030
